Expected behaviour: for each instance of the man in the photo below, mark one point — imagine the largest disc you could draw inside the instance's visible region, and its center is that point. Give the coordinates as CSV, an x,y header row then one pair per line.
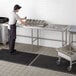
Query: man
x,y
12,27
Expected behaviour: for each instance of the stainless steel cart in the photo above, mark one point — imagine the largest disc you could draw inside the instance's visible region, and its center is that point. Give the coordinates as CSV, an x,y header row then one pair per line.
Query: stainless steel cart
x,y
68,52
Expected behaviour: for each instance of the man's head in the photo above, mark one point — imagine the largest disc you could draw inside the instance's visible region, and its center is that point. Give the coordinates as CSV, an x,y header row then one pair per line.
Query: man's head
x,y
16,8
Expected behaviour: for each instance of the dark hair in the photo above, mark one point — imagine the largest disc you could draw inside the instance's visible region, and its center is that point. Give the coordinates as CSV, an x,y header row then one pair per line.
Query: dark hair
x,y
17,7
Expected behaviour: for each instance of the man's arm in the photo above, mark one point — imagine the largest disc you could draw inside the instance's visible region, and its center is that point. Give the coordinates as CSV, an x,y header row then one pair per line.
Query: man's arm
x,y
21,20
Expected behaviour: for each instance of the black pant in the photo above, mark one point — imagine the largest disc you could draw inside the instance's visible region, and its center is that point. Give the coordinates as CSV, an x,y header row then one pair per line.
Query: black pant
x,y
12,37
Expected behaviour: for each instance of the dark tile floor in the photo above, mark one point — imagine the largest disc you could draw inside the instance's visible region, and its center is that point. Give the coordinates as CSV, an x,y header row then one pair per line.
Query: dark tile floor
x,y
40,61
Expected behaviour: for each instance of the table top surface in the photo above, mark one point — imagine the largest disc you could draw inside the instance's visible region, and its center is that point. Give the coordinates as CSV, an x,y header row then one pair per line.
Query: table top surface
x,y
51,27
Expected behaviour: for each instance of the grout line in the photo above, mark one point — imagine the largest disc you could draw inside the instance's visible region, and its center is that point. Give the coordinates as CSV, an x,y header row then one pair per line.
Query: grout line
x,y
34,59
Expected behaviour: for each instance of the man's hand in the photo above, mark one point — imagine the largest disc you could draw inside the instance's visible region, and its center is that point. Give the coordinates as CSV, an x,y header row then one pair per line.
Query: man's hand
x,y
22,21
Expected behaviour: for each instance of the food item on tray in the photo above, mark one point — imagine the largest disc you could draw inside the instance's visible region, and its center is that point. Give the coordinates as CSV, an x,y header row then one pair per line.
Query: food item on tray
x,y
38,23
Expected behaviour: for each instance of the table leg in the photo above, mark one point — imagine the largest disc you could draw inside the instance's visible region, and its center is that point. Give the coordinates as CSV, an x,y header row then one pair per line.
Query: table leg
x,y
72,39
37,37
66,37
62,38
32,39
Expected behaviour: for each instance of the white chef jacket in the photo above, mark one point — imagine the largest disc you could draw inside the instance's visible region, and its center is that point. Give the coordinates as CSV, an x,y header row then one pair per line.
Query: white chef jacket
x,y
13,17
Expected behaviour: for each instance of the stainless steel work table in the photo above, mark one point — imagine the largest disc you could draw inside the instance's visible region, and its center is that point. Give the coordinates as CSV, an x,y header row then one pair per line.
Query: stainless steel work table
x,y
51,27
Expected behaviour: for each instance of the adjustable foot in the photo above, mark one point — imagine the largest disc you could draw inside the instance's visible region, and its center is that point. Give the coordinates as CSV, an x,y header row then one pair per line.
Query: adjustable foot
x,y
58,61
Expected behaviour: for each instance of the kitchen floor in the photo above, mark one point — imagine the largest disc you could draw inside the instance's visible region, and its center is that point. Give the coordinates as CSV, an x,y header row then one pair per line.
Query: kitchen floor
x,y
37,66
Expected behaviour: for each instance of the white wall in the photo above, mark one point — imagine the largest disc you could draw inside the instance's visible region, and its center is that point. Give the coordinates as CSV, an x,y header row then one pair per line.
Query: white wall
x,y
53,11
